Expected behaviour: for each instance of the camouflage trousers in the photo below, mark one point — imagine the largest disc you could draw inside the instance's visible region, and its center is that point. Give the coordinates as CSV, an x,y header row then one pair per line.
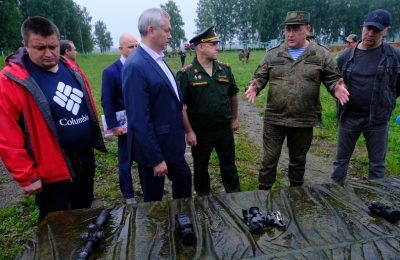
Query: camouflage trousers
x,y
298,142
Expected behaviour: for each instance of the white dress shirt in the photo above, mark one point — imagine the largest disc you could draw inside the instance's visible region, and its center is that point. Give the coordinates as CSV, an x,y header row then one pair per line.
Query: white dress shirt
x,y
158,57
122,59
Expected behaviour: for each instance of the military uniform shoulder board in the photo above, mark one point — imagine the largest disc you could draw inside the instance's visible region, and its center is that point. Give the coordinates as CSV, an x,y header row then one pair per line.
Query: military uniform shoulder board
x,y
187,67
277,46
224,64
326,47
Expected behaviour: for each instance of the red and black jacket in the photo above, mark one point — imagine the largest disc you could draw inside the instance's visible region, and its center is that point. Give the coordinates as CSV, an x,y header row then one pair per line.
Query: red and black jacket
x,y
29,144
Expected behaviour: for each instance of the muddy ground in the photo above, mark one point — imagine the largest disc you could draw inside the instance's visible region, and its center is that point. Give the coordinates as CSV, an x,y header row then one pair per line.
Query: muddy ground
x,y
318,168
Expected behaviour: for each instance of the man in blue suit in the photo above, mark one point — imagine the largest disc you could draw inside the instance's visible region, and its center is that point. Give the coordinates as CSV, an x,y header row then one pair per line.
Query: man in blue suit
x,y
112,101
154,109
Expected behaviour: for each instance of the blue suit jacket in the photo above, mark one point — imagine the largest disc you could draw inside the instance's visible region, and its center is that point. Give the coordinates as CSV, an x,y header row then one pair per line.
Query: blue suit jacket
x,y
112,99
155,122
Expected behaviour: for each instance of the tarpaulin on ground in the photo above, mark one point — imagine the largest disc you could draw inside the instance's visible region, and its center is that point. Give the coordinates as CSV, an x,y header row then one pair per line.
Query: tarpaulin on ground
x,y
325,221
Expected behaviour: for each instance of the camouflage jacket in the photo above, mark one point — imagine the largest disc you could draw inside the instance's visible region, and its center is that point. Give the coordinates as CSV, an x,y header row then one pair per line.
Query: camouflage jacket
x,y
294,86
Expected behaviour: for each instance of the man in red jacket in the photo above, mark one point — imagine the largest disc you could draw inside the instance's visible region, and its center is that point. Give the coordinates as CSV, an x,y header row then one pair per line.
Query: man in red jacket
x,y
49,123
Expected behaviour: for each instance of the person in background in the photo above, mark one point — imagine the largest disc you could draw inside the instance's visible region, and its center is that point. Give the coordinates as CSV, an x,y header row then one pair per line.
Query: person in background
x,y
154,103
371,74
182,56
112,101
49,123
311,37
211,109
351,40
295,71
68,50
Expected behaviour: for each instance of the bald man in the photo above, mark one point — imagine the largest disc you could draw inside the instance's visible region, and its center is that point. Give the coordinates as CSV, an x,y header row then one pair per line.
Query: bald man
x,y
112,102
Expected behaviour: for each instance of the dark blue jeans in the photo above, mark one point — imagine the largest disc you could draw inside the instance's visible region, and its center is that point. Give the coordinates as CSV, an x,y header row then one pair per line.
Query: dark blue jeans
x,y
376,137
124,168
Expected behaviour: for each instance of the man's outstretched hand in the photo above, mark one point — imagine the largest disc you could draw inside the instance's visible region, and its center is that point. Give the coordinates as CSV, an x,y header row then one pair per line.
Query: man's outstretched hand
x,y
341,92
251,92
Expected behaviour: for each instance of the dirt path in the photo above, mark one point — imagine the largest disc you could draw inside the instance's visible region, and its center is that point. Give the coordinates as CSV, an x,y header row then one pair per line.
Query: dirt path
x,y
10,192
317,168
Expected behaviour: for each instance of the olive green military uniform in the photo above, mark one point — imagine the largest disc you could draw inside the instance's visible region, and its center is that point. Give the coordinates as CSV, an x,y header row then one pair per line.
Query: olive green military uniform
x,y
208,107
293,103
294,86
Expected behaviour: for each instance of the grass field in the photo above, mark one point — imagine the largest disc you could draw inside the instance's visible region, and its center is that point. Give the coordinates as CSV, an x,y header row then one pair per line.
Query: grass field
x,y
17,223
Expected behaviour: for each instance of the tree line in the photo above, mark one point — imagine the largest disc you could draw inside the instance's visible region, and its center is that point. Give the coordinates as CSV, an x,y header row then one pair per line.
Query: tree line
x,y
262,20
243,20
73,21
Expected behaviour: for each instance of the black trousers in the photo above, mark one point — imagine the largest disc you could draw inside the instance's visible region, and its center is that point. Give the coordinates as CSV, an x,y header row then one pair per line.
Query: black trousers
x,y
69,194
153,187
221,139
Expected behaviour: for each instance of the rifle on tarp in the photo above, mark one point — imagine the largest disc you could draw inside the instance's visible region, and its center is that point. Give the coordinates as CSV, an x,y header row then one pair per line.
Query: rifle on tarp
x,y
94,234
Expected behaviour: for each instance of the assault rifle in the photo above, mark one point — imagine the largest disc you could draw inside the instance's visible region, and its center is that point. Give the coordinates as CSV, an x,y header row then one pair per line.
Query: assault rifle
x,y
94,233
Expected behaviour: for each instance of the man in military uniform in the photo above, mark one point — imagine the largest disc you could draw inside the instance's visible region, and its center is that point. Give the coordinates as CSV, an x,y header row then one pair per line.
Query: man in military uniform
x,y
209,91
351,40
294,70
311,37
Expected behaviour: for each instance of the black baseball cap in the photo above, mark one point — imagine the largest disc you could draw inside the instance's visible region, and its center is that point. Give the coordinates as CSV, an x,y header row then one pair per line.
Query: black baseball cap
x,y
379,18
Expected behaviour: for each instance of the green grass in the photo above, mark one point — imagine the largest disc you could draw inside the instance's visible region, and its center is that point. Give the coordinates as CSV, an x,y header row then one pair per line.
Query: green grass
x,y
17,223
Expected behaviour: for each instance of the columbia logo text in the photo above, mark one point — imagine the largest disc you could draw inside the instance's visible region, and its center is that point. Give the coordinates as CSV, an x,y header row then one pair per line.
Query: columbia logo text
x,y
72,121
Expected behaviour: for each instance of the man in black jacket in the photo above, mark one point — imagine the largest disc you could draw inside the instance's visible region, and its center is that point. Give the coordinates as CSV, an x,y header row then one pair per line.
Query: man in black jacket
x,y
370,71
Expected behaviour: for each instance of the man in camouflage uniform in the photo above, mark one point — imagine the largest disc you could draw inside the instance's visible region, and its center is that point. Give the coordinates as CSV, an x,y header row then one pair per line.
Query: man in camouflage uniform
x,y
209,91
294,70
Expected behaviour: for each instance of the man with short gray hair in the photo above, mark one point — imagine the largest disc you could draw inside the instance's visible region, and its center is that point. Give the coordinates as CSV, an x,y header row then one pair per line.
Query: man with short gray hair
x,y
153,100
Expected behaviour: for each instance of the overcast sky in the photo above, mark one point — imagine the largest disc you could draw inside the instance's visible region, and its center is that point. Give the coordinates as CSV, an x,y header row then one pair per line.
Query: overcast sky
x,y
121,16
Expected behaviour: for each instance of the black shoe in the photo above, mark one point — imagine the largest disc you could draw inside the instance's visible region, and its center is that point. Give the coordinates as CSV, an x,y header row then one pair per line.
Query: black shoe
x,y
263,187
296,183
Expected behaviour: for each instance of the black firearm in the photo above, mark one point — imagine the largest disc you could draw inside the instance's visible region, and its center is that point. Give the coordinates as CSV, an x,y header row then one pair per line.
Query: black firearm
x,y
389,213
256,221
94,233
185,229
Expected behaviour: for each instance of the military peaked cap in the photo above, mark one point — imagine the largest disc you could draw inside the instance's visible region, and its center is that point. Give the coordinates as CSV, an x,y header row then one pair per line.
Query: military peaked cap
x,y
207,35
